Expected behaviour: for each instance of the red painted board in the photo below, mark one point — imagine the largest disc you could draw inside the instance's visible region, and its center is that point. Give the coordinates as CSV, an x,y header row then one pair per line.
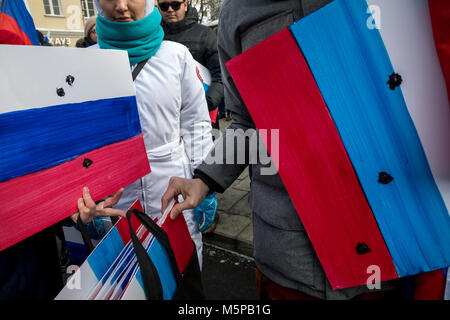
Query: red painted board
x,y
180,240
279,91
36,201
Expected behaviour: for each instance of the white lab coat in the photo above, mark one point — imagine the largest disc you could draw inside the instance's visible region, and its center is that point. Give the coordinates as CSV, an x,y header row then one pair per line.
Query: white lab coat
x,y
176,128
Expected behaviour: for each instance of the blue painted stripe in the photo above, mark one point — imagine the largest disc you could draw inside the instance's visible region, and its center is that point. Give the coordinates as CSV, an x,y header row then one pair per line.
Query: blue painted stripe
x,y
351,66
129,275
161,260
105,253
124,263
126,250
41,138
166,273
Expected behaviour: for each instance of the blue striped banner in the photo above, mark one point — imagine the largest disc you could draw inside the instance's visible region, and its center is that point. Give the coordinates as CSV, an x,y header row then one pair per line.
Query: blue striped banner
x,y
36,139
352,67
108,251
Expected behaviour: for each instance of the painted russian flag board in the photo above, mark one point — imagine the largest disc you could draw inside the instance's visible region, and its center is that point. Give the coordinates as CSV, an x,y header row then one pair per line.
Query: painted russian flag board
x,y
205,77
63,127
16,24
101,259
111,272
364,128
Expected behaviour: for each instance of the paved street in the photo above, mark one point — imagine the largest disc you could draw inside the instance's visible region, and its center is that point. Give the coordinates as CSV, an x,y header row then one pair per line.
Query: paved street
x,y
227,275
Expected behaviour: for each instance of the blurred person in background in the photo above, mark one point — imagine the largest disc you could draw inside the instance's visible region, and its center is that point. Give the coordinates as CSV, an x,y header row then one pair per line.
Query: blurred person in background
x,y
90,36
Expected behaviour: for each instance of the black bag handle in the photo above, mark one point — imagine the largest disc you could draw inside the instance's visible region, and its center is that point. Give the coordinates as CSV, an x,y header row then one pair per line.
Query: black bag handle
x,y
84,233
86,239
150,277
138,68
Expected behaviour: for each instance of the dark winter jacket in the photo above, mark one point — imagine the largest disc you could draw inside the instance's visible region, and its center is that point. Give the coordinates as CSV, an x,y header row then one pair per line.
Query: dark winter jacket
x,y
202,43
84,42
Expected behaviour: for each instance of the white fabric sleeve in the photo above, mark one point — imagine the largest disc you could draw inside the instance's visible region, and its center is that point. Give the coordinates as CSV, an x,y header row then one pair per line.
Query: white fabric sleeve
x,y
194,118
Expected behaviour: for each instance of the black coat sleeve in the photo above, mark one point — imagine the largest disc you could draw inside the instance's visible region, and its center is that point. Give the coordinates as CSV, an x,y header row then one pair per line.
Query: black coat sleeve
x,y
215,91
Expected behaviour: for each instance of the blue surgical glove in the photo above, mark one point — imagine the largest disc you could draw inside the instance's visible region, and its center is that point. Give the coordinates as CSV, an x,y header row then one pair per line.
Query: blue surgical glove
x,y
206,211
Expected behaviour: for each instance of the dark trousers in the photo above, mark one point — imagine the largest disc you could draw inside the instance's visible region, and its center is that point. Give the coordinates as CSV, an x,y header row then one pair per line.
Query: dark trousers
x,y
30,269
269,290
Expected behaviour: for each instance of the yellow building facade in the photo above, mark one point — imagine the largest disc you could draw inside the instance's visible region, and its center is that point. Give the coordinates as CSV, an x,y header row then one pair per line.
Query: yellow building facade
x,y
62,21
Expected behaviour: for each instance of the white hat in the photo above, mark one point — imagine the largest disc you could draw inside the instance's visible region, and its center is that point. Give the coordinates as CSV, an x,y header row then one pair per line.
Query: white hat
x,y
149,6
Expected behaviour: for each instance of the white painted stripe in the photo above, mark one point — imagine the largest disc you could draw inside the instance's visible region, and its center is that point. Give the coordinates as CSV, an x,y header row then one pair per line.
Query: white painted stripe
x,y
134,291
79,284
31,75
405,27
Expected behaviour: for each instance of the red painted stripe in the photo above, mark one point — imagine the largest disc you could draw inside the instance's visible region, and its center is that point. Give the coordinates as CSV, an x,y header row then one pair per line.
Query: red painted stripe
x,y
430,286
280,93
122,224
180,240
36,201
10,32
213,115
440,19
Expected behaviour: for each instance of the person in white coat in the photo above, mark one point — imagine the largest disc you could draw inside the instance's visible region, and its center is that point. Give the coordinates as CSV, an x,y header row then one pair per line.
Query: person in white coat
x,y
172,108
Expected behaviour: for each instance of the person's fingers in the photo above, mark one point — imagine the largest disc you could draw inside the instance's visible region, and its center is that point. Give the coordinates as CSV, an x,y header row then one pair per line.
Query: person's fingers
x,y
83,212
172,192
80,204
114,199
82,209
87,198
180,207
88,210
176,211
74,217
108,212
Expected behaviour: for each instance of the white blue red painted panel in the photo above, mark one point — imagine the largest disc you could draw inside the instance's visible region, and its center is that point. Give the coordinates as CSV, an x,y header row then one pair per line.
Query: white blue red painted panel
x,y
183,248
53,135
62,129
311,160
111,272
372,118
402,183
111,249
